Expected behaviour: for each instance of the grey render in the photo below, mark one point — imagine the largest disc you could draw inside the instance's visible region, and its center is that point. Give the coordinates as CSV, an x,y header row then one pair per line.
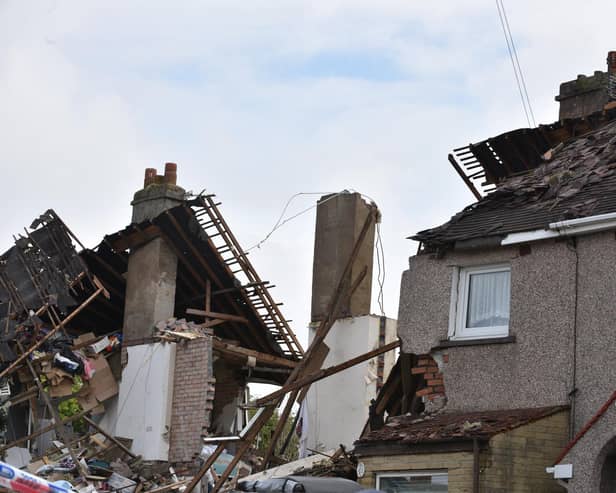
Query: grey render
x,y
538,368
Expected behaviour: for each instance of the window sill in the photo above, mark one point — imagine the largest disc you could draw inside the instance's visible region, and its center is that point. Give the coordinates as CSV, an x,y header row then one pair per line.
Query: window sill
x,y
447,343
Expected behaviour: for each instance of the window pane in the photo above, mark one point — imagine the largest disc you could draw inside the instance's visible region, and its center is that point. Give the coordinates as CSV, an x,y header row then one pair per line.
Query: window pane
x,y
414,484
488,299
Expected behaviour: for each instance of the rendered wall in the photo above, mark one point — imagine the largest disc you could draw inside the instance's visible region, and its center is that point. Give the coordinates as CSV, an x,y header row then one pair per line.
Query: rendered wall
x,y
338,405
537,369
339,222
143,409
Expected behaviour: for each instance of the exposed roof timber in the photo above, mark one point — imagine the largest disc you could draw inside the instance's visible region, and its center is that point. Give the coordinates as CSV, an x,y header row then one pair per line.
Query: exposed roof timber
x,y
521,150
261,298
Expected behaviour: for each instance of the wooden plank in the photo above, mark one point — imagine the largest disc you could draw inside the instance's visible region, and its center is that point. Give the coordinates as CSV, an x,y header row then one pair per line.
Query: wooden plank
x,y
220,316
241,352
322,332
61,325
406,362
110,437
327,372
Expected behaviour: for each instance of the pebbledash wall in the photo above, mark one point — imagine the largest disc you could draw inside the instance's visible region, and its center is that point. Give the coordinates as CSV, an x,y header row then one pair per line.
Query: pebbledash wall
x,y
537,369
512,462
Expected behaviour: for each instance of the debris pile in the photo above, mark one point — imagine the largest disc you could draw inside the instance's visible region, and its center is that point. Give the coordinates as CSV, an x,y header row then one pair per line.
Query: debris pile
x,y
174,330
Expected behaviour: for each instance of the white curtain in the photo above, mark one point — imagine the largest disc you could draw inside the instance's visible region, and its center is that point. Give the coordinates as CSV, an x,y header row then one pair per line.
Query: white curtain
x,y
488,299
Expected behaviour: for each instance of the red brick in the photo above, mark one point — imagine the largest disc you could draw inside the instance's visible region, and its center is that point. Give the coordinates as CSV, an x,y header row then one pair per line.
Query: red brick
x,y
417,371
425,391
435,383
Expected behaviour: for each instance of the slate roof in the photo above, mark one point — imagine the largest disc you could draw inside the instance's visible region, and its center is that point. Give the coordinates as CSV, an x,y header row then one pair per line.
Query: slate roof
x,y
454,426
578,180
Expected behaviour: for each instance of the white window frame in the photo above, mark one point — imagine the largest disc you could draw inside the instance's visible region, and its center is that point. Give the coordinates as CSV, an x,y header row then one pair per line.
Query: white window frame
x,y
412,474
459,304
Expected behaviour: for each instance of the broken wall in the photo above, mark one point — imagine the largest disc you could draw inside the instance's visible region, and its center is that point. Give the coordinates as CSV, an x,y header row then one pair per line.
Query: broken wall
x,y
229,394
537,368
143,409
338,405
533,371
193,396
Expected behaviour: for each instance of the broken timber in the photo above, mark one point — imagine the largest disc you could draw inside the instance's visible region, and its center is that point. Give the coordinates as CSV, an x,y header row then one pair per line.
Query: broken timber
x,y
266,412
244,353
326,372
61,325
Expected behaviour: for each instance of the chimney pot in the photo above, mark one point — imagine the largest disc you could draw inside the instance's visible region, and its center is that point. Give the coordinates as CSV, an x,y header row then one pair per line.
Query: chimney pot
x,y
150,177
171,173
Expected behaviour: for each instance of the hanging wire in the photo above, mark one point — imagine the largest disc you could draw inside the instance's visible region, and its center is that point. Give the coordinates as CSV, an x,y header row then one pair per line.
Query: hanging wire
x,y
517,71
380,252
280,222
517,60
380,261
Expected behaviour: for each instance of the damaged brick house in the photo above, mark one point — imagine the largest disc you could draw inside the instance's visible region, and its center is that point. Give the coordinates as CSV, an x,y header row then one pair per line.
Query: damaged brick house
x,y
196,322
507,320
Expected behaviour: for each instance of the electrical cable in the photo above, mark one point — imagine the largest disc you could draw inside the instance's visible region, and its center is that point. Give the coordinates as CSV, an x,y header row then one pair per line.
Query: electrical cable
x,y
515,70
280,222
515,54
380,252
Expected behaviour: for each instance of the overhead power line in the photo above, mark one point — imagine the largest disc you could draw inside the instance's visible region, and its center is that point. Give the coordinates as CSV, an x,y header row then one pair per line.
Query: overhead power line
x,y
515,62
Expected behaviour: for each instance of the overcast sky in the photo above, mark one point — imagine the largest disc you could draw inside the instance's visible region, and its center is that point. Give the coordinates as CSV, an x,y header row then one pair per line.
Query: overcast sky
x,y
259,100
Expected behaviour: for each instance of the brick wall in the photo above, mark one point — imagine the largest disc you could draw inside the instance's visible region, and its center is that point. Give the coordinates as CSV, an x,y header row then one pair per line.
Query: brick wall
x,y
230,385
513,462
431,386
516,460
193,395
459,466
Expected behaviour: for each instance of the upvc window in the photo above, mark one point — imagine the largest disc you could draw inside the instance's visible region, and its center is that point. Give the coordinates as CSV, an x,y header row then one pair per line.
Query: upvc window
x,y
480,302
413,482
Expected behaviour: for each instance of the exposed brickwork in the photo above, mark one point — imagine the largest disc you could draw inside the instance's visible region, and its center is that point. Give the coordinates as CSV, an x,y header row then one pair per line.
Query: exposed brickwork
x,y
432,385
193,397
230,384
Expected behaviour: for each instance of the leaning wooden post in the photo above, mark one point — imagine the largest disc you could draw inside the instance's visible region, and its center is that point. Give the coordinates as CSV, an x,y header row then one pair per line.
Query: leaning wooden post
x,y
322,332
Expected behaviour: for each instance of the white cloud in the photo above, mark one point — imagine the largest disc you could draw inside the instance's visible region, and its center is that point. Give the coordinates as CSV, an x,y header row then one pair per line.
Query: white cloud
x,y
91,94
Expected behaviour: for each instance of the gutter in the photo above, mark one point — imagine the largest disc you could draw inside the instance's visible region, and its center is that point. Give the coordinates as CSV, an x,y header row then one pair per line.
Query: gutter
x,y
571,227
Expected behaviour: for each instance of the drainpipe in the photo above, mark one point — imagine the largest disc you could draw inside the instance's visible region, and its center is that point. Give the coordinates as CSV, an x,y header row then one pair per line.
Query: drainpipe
x,y
475,465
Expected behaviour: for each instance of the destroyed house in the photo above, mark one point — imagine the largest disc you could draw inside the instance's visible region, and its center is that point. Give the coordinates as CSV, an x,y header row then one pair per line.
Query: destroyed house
x,y
154,334
506,380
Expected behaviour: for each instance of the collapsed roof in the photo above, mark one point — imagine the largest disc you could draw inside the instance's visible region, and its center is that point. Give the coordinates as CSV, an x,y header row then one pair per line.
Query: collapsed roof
x,y
572,179
44,274
206,249
449,427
